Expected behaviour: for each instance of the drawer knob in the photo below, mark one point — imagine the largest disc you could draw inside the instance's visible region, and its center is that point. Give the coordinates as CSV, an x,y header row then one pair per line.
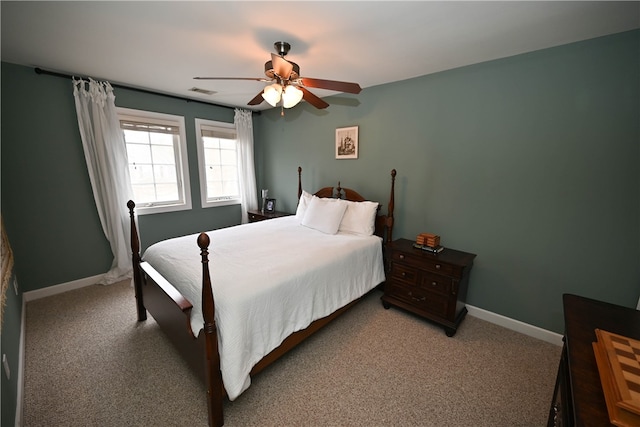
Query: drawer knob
x,y
404,274
401,256
437,266
434,283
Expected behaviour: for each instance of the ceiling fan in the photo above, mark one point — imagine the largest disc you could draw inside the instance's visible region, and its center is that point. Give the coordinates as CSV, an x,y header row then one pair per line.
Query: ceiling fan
x,y
287,85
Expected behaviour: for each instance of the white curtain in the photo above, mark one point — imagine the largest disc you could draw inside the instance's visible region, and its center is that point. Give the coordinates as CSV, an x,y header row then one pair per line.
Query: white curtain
x,y
248,190
106,156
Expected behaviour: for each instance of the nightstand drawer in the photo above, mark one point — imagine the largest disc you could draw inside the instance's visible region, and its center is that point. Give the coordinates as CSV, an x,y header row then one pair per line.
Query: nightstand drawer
x,y
421,299
431,263
404,273
434,283
255,217
412,277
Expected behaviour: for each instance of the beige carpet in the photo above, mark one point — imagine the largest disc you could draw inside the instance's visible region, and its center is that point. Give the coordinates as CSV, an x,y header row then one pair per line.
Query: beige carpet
x,y
90,363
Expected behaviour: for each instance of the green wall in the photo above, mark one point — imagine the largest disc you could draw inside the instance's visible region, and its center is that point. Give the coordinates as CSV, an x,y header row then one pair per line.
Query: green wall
x,y
531,162
47,202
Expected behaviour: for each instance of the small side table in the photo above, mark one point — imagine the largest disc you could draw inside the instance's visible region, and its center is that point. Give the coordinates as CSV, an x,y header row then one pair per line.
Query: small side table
x,y
431,286
257,215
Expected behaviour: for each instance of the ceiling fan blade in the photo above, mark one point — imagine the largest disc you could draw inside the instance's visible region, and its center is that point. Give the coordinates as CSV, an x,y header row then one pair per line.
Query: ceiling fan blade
x,y
312,99
257,100
257,79
281,66
330,84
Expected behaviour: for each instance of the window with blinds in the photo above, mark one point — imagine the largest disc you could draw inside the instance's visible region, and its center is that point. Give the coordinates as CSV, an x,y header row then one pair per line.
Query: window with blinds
x,y
218,163
157,157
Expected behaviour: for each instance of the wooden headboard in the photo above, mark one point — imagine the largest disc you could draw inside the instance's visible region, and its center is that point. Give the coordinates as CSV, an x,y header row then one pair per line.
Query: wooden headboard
x,y
384,223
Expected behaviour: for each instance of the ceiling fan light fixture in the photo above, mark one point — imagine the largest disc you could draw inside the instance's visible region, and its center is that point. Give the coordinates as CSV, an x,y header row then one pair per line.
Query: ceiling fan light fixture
x,y
272,94
291,96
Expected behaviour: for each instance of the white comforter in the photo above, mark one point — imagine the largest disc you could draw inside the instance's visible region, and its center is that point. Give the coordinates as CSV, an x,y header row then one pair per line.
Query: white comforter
x,y
269,279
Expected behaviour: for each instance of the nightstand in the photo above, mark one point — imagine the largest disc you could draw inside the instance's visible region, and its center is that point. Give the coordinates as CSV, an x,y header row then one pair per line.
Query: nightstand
x,y
258,215
431,286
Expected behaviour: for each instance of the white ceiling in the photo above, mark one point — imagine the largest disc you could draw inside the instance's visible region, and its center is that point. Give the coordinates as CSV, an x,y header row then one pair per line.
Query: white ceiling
x,y
161,46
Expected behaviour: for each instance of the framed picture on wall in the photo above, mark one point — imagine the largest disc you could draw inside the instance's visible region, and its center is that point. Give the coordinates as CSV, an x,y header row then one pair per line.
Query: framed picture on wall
x,y
347,143
270,205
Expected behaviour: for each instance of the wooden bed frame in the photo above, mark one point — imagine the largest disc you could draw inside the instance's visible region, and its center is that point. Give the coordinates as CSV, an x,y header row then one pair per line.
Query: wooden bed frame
x,y
172,311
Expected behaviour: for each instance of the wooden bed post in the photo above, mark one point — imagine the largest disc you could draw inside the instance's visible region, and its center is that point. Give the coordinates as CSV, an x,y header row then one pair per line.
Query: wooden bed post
x,y
135,262
391,207
213,377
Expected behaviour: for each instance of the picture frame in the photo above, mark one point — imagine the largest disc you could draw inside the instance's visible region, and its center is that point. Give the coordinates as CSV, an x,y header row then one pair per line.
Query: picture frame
x,y
347,143
270,205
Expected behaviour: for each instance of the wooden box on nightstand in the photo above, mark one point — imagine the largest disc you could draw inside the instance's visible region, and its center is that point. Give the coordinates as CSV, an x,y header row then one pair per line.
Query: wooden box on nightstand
x,y
431,286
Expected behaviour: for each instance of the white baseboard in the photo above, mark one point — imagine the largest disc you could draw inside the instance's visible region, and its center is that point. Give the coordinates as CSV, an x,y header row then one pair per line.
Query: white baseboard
x,y
516,325
63,287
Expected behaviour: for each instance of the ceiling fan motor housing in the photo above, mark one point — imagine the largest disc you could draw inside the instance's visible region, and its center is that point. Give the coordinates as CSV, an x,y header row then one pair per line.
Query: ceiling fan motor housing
x,y
282,48
270,72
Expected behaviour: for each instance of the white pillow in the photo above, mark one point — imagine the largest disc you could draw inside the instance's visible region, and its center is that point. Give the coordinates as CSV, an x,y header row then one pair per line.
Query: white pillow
x,y
324,214
303,203
359,218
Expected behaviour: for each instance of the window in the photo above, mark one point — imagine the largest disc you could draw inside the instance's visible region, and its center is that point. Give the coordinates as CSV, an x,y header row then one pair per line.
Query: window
x,y
218,163
156,149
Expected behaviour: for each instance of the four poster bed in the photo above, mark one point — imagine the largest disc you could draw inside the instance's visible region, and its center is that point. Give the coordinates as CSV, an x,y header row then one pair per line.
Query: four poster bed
x,y
275,283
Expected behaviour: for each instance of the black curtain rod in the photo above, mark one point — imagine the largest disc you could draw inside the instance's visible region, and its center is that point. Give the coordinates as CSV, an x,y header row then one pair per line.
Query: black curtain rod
x,y
68,76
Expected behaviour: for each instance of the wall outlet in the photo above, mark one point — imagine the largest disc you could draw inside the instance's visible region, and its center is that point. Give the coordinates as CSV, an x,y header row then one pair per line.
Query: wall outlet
x,y
15,284
5,363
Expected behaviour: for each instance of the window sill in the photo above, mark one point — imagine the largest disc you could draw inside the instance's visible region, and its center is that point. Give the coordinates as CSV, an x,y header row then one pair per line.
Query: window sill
x,y
220,203
149,210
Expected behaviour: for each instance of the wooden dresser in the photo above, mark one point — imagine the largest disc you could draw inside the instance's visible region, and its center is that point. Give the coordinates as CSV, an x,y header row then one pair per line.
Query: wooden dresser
x,y
432,286
258,215
578,399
